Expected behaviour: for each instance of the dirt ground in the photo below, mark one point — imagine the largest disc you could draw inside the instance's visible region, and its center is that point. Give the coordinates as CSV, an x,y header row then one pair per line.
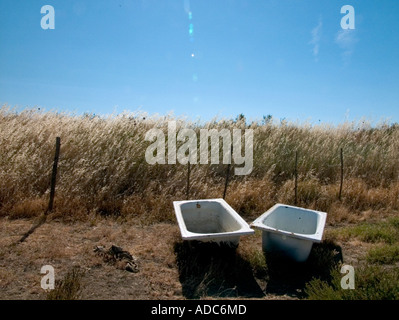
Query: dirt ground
x,y
164,263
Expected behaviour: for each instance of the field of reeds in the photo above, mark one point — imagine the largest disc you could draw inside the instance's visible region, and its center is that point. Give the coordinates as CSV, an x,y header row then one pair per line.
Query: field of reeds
x,y
102,172
102,167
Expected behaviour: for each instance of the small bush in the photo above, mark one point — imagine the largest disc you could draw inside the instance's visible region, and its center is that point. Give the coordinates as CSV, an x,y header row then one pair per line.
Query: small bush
x,y
256,259
28,208
69,288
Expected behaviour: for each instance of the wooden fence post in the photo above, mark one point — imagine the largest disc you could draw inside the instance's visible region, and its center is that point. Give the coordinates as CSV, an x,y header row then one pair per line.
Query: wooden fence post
x,y
228,173
54,174
43,218
188,181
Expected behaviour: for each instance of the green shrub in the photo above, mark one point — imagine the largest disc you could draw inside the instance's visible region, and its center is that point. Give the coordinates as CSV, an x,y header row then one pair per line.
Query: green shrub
x,y
371,283
384,231
386,254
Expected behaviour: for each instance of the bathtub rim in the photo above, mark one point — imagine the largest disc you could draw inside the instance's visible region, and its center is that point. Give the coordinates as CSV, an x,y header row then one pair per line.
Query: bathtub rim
x,y
315,237
188,235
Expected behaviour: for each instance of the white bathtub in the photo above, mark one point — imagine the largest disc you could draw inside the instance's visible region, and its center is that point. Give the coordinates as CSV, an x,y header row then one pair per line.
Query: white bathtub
x,y
290,231
210,220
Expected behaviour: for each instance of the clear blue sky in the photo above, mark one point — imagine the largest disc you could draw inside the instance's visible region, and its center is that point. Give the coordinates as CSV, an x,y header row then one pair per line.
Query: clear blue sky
x,y
287,58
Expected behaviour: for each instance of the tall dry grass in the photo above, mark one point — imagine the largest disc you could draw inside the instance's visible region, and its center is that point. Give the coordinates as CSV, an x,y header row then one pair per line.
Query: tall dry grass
x,y
102,167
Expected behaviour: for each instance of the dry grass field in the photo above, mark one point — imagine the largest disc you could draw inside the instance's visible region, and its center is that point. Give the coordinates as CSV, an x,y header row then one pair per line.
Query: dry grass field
x,y
107,194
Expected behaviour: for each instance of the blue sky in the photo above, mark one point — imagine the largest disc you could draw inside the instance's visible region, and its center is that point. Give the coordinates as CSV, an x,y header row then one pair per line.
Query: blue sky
x,y
287,58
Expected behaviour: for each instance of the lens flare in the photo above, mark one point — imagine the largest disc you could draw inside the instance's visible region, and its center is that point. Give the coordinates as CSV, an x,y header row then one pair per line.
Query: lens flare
x,y
194,76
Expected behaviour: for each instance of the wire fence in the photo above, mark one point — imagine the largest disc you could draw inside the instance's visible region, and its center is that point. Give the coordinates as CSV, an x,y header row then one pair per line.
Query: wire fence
x,y
227,177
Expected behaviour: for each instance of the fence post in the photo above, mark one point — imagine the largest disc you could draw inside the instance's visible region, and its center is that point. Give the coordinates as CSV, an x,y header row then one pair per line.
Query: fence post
x,y
296,177
54,174
342,175
43,218
188,181
228,172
